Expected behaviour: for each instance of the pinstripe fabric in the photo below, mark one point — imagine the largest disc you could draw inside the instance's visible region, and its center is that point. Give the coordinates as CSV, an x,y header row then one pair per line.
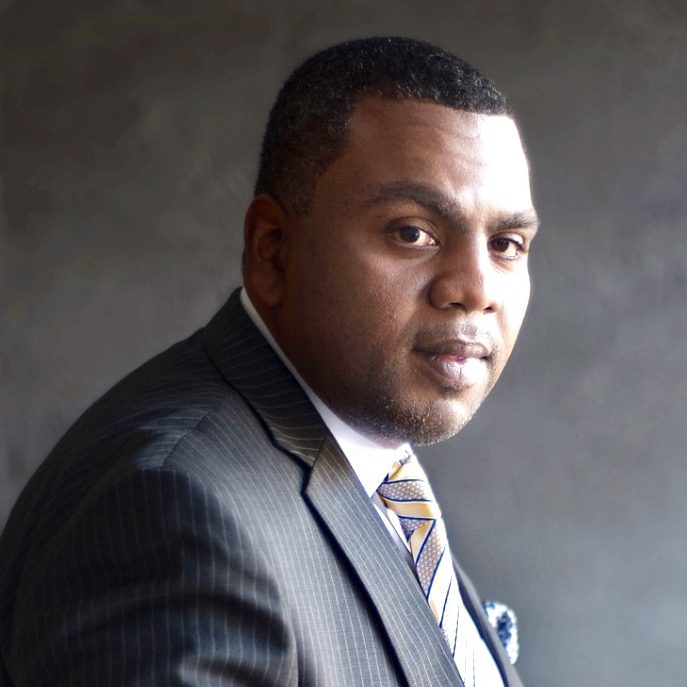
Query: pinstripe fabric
x,y
198,526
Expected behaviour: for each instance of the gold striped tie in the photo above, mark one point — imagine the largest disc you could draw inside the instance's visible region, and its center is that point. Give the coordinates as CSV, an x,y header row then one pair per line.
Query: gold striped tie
x,y
407,493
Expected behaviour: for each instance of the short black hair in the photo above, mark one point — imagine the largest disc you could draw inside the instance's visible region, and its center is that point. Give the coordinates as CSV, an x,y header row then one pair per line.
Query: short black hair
x,y
307,126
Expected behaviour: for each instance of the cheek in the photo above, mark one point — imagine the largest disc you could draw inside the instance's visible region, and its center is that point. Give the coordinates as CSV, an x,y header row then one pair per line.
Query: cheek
x,y
515,308
362,279
353,285
364,310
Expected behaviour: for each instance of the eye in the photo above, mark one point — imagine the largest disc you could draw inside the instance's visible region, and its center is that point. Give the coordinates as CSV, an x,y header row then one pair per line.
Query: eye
x,y
412,235
508,247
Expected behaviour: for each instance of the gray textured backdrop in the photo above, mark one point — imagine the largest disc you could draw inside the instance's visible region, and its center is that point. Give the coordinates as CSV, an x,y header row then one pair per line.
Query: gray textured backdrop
x,y
130,134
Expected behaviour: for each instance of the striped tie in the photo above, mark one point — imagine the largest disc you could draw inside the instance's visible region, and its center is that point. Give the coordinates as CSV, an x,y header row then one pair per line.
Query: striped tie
x,y
406,491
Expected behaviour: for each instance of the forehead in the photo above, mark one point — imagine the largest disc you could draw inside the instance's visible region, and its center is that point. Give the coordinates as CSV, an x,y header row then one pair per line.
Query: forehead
x,y
477,159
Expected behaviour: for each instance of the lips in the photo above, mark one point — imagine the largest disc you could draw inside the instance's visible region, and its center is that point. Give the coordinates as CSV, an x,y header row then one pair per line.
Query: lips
x,y
457,364
456,348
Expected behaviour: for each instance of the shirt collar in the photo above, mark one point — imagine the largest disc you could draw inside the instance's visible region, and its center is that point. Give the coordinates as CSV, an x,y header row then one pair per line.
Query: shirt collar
x,y
370,461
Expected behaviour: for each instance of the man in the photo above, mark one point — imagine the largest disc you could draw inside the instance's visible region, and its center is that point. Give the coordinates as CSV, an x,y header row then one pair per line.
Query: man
x,y
235,511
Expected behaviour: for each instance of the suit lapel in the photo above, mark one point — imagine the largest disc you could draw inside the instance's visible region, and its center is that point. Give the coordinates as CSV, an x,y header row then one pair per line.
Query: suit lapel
x,y
346,511
250,365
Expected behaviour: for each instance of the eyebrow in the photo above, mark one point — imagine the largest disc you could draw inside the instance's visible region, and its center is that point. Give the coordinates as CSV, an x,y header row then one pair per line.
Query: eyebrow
x,y
442,204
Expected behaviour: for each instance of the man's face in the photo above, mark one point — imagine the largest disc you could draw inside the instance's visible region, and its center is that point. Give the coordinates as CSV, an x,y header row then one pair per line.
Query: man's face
x,y
406,283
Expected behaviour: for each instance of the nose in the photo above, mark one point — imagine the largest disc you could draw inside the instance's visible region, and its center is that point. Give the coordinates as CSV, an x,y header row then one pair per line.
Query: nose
x,y
467,279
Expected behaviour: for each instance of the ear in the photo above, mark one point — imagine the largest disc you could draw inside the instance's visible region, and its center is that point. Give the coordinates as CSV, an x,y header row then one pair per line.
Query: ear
x,y
265,234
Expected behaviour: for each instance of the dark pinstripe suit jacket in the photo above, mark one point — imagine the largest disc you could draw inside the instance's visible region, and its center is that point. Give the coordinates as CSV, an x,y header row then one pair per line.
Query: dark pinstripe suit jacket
x,y
199,525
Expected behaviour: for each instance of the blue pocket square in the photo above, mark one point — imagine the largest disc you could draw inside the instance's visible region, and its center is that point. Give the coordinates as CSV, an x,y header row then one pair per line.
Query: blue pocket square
x,y
505,622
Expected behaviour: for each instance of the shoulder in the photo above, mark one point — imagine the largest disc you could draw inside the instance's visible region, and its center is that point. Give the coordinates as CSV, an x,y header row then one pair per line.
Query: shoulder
x,y
176,413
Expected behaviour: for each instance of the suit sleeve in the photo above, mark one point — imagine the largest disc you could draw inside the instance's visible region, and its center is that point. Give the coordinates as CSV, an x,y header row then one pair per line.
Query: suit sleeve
x,y
153,582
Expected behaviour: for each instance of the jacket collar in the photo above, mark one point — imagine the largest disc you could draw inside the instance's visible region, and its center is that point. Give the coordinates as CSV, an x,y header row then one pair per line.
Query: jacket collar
x,y
249,364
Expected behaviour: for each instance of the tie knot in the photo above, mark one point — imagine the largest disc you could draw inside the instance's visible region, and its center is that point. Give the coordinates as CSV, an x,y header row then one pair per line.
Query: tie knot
x,y
406,491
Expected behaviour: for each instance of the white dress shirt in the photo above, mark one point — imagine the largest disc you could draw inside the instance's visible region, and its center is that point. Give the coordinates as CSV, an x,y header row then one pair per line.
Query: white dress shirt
x,y
371,464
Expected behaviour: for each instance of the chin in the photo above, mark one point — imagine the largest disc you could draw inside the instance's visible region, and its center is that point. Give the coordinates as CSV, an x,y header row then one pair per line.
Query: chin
x,y
440,419
418,426
432,430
